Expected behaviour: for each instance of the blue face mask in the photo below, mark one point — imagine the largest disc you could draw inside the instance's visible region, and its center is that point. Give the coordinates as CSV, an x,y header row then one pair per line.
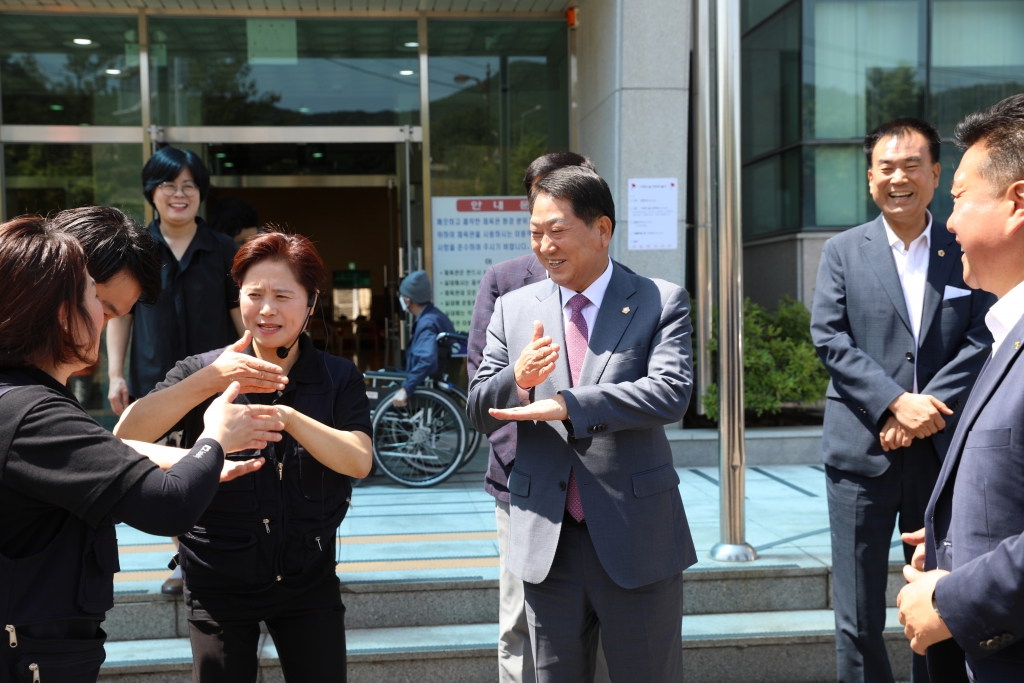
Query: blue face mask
x,y
401,300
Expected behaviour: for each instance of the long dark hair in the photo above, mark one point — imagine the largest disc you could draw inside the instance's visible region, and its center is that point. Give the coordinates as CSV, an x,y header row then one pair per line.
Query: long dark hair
x,y
42,271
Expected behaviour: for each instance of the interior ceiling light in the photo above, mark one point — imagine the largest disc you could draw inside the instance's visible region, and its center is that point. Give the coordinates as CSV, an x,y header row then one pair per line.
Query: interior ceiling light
x,y
406,72
412,44
303,110
317,155
228,164
82,41
114,72
221,155
56,107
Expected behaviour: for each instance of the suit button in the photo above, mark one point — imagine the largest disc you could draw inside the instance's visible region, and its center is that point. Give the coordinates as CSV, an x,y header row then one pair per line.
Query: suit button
x,y
1006,638
591,429
572,439
910,356
561,486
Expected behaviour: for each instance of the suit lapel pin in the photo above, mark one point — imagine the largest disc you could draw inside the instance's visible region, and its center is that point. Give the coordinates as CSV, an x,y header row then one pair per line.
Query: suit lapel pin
x,y
1016,345
625,310
942,252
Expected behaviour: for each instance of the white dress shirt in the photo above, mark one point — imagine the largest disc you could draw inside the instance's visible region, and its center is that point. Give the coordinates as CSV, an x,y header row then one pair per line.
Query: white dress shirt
x,y
1004,314
912,266
595,293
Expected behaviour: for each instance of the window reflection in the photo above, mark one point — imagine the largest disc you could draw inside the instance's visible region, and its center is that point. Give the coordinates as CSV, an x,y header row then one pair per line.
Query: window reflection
x,y
284,72
67,70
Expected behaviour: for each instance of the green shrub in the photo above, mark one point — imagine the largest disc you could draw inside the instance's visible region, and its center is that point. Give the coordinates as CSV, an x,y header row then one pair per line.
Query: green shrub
x,y
779,361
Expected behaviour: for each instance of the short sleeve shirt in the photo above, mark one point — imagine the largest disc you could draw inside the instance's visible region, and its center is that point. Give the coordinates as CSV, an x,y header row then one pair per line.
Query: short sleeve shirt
x,y
60,462
193,313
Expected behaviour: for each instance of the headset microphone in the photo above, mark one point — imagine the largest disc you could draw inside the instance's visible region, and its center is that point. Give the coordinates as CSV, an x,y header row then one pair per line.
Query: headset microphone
x,y
283,351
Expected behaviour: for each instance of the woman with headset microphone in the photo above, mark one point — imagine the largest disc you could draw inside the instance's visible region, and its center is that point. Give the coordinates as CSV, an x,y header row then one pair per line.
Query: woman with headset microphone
x,y
264,549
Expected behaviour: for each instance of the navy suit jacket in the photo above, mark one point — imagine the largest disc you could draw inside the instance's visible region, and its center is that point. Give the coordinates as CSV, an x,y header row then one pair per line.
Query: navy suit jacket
x,y
975,518
862,331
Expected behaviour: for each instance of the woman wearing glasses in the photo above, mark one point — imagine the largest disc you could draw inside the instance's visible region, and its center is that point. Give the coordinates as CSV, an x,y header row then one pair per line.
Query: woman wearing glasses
x,y
198,308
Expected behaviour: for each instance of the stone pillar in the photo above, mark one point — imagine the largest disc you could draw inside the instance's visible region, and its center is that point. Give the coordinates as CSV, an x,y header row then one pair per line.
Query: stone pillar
x,y
633,96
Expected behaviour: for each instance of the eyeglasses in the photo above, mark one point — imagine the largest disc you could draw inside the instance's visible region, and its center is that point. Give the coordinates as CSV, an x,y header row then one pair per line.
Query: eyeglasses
x,y
170,189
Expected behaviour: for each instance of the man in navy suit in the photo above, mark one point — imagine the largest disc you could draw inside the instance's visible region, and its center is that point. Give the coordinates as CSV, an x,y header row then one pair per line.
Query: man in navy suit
x,y
973,549
903,339
515,658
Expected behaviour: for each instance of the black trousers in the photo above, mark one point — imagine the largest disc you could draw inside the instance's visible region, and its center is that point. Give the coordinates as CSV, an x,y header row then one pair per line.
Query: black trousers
x,y
641,628
308,630
862,514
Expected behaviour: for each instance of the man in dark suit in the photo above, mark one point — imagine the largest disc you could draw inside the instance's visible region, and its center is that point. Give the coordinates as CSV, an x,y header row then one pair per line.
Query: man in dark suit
x,y
903,339
598,533
973,549
515,658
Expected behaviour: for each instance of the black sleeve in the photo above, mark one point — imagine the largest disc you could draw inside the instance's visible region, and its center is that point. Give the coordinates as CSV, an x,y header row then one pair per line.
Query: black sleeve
x,y
191,425
351,407
61,456
170,503
231,291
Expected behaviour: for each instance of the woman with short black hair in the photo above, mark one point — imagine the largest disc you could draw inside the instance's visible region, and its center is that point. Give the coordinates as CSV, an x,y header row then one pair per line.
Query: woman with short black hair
x,y
63,477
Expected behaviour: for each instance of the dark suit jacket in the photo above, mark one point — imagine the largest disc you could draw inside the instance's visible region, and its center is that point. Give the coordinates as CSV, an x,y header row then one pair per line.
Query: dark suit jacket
x,y
635,379
499,279
862,330
975,519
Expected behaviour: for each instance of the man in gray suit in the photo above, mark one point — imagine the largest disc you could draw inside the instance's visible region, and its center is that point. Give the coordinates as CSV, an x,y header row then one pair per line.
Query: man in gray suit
x,y
903,339
598,532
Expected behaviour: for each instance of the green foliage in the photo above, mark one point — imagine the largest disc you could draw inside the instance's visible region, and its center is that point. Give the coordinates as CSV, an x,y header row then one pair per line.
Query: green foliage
x,y
779,361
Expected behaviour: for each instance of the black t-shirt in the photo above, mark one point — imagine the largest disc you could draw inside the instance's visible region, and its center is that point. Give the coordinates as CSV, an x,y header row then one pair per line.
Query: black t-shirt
x,y
351,408
60,462
193,313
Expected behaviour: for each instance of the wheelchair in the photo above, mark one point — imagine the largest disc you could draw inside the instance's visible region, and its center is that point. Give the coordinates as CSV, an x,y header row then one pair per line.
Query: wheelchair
x,y
430,438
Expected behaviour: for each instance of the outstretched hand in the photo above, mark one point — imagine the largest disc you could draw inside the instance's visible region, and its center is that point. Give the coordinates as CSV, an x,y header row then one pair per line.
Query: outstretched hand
x,y
545,410
537,360
254,376
233,469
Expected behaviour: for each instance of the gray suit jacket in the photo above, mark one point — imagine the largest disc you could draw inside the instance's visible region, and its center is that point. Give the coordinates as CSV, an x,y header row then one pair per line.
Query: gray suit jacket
x,y
636,378
861,328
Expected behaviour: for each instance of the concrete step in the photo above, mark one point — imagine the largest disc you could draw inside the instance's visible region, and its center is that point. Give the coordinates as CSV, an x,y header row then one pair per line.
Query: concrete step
x,y
142,613
774,647
764,446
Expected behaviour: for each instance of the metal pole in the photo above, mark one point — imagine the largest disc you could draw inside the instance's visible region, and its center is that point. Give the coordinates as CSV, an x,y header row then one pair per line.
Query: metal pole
x,y
733,547
703,127
145,99
408,203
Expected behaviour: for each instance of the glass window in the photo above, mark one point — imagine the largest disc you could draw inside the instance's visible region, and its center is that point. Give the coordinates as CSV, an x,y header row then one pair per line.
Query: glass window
x,y
837,187
69,70
771,84
753,12
45,178
942,203
977,56
499,98
284,72
863,64
308,159
771,195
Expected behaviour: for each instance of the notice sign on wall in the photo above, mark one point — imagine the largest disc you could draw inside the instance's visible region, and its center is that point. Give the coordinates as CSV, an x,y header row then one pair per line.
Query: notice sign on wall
x,y
653,213
470,235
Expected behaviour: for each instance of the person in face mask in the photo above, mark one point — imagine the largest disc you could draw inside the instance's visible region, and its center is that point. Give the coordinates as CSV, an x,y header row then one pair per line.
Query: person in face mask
x,y
414,294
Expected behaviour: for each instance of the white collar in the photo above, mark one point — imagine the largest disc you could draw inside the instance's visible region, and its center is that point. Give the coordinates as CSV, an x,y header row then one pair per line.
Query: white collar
x,y
895,240
1005,314
595,292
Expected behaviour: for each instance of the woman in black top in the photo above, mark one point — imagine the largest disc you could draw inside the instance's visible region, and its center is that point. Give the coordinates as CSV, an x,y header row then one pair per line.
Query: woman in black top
x,y
265,549
63,477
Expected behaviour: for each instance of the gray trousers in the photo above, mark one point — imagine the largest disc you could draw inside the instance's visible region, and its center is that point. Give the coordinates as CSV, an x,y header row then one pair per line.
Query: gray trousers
x,y
642,627
515,655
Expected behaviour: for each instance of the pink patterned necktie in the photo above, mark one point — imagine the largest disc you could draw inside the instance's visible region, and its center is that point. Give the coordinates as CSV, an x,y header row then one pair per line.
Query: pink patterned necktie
x,y
576,339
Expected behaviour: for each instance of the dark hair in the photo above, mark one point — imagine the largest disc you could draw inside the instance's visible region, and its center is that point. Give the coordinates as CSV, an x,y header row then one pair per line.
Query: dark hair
x,y
167,164
232,215
1001,129
897,128
294,250
543,165
42,270
113,242
586,191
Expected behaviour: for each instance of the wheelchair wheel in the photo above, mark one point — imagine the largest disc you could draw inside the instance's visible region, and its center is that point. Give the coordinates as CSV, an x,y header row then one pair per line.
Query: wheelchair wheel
x,y
421,444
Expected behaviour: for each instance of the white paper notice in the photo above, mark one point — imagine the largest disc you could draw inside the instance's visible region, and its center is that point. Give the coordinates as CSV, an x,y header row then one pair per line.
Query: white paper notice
x,y
653,213
470,235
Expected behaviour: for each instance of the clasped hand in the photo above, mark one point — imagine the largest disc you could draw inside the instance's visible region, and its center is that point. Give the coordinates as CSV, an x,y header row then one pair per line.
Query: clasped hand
x,y
914,416
239,427
535,364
